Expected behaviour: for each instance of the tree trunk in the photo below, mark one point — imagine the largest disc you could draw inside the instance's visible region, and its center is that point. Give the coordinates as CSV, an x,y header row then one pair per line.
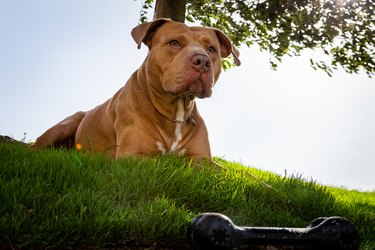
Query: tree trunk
x,y
173,9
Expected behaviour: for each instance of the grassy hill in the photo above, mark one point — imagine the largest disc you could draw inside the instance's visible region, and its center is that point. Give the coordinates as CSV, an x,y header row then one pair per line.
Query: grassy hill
x,y
67,199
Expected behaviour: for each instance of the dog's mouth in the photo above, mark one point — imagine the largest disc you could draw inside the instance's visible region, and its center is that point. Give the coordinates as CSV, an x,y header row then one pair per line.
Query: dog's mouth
x,y
200,87
191,91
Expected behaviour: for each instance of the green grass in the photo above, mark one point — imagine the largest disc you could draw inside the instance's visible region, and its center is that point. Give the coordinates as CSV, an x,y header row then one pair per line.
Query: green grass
x,y
66,199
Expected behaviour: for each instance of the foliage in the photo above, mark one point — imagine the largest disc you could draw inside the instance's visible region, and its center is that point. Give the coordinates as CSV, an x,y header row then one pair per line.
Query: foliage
x,y
66,199
343,30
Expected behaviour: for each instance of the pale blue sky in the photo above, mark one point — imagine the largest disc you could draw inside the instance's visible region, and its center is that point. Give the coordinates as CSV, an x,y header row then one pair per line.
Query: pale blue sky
x,y
61,56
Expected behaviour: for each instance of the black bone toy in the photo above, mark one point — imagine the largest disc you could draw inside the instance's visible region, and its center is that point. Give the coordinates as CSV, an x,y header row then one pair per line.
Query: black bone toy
x,y
216,231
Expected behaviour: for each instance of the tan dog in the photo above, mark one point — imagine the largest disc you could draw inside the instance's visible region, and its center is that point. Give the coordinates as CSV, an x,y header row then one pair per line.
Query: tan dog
x,y
155,112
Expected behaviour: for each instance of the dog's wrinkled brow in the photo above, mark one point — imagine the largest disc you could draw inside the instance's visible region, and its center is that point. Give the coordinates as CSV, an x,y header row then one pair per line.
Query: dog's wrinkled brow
x,y
207,40
183,39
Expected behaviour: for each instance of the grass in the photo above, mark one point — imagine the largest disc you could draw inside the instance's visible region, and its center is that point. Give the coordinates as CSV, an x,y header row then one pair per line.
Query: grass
x,y
66,199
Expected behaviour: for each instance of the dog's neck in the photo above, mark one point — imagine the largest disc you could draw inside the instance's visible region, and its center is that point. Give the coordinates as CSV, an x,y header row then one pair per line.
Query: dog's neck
x,y
178,109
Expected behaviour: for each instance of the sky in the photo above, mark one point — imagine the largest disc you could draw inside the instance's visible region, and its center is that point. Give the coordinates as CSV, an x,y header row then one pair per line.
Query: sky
x,y
58,57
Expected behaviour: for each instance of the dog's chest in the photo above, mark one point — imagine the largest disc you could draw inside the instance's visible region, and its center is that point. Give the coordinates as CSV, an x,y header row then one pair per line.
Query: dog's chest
x,y
174,143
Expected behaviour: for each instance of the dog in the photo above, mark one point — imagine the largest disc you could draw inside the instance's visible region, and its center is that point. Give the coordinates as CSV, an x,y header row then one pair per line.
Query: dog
x,y
155,112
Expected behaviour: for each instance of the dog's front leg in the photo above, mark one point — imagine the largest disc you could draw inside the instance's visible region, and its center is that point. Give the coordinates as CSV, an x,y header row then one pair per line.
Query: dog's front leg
x,y
135,143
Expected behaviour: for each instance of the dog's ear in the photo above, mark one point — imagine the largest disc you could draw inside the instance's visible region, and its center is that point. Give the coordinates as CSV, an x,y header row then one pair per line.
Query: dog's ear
x,y
227,47
144,31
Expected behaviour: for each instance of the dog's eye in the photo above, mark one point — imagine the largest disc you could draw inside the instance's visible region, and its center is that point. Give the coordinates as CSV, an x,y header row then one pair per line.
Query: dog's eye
x,y
174,43
211,49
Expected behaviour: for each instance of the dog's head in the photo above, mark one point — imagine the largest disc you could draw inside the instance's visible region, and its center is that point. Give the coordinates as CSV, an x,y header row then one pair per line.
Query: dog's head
x,y
184,61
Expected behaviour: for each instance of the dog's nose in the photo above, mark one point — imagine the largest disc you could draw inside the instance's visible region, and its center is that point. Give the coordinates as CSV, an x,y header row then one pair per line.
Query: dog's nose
x,y
201,62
